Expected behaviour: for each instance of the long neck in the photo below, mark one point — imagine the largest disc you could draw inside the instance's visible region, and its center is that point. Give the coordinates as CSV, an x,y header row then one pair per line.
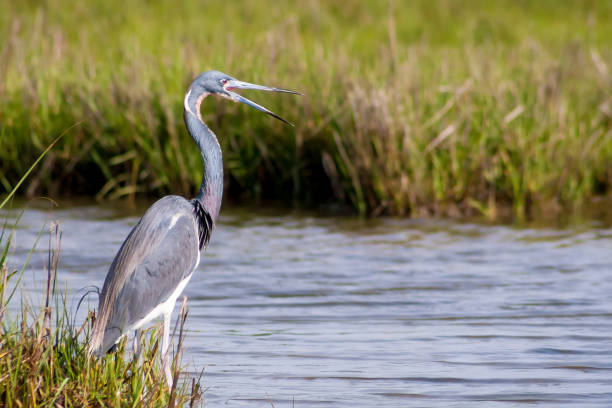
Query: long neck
x,y
211,189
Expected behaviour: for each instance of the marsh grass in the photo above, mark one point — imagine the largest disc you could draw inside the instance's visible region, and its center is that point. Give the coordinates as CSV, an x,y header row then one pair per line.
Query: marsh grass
x,y
44,362
43,354
424,107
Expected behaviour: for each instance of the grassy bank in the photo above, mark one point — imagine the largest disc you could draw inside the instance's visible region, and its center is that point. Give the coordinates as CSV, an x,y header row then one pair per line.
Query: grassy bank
x,y
44,362
439,106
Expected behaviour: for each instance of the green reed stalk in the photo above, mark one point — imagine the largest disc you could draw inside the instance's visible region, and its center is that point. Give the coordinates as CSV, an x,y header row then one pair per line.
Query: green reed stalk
x,y
427,107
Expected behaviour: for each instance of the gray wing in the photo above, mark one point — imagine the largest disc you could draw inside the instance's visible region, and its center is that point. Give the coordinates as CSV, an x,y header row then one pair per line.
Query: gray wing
x,y
161,251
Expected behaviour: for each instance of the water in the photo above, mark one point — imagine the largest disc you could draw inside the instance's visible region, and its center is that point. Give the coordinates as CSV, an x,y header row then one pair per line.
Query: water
x,y
303,311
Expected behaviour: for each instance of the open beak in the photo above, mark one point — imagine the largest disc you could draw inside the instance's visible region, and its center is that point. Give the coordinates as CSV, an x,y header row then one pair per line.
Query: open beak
x,y
235,84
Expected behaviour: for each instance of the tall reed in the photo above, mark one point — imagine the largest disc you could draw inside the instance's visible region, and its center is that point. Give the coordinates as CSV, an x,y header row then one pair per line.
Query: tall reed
x,y
427,107
43,354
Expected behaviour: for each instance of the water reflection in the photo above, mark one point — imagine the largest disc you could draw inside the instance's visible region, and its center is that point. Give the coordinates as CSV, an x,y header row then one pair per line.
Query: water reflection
x,y
396,313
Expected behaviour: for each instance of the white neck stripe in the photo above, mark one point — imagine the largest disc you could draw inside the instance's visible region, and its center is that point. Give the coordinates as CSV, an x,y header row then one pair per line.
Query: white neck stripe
x,y
187,103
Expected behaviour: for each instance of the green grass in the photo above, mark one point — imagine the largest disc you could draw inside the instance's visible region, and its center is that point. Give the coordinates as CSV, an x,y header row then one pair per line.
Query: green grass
x,y
43,355
44,361
411,107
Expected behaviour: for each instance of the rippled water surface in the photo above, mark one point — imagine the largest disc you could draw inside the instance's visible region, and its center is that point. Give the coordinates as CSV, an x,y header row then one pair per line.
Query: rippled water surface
x,y
294,310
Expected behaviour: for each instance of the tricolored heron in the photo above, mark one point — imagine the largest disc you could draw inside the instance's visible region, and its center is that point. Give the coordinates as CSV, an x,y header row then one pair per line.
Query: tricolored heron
x,y
162,251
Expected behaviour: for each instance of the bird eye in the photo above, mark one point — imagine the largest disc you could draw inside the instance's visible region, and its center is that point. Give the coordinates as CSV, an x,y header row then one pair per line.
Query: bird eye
x,y
224,81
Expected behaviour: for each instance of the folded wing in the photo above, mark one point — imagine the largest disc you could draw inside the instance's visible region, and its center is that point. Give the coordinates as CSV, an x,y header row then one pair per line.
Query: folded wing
x,y
160,252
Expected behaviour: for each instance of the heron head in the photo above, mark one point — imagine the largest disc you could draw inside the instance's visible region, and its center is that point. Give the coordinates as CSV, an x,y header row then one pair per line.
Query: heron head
x,y
215,82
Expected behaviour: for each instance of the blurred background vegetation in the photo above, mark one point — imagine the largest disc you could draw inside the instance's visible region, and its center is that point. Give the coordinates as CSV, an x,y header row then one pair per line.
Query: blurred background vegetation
x,y
425,107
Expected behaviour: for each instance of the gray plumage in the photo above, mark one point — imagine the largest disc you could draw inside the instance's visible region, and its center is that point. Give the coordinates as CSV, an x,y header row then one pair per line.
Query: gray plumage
x,y
142,276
